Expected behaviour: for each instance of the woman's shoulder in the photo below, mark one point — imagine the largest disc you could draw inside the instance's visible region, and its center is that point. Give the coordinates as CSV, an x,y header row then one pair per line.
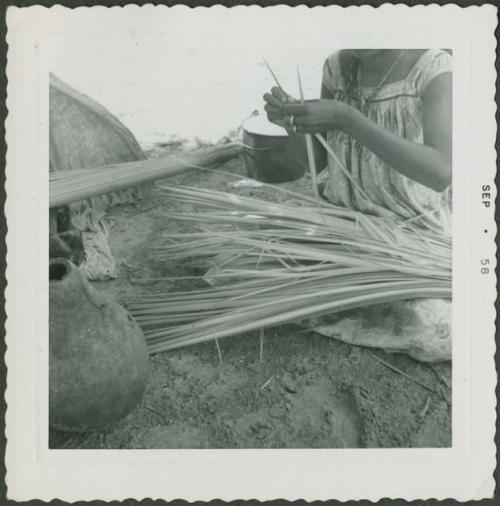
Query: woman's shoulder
x,y
339,61
434,57
336,69
432,63
331,64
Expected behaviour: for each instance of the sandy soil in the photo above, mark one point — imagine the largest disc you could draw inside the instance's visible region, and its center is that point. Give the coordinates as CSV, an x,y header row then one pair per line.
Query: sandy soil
x,y
308,391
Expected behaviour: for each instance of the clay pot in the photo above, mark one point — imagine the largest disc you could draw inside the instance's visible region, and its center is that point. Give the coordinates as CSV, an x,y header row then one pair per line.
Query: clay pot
x,y
98,357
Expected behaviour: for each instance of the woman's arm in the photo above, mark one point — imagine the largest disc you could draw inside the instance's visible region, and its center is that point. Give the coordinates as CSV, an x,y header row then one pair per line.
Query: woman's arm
x,y
429,163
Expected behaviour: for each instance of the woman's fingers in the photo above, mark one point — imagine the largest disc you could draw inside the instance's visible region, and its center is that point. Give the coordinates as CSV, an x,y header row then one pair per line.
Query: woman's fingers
x,y
300,121
304,126
273,109
282,109
274,114
271,99
278,120
280,95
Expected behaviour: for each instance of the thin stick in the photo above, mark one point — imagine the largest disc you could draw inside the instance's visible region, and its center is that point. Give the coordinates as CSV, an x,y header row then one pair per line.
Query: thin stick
x,y
445,380
218,350
261,340
342,167
124,262
273,74
309,146
266,383
399,371
426,407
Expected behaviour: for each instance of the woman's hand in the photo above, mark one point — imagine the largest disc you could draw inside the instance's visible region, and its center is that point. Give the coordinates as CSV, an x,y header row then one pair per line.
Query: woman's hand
x,y
276,113
274,107
319,116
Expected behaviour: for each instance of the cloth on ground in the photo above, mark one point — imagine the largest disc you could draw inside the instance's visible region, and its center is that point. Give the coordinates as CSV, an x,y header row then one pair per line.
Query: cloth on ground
x,y
419,328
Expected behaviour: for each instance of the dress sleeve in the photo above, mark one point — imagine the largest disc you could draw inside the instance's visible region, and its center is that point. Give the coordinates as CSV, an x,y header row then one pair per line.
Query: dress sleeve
x,y
438,62
331,73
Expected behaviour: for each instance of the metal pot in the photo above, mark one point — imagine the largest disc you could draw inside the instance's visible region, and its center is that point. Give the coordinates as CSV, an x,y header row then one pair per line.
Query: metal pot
x,y
269,152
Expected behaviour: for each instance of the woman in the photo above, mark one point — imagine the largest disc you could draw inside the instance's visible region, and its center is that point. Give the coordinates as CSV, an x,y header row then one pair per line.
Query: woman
x,y
387,116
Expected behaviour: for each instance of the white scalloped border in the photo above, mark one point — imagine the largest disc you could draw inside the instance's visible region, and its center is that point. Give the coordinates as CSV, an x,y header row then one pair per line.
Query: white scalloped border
x,y
34,472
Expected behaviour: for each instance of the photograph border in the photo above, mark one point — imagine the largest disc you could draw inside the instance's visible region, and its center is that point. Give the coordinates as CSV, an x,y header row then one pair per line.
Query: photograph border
x,y
340,4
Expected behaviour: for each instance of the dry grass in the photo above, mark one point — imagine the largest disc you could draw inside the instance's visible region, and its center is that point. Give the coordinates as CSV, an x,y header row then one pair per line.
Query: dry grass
x,y
279,263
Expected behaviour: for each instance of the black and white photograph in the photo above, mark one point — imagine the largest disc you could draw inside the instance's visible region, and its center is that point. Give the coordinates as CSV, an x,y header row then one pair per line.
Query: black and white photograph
x,y
318,242
252,237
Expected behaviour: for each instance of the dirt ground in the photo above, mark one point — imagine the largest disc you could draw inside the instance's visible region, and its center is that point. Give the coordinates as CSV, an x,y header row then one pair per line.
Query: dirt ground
x,y
308,391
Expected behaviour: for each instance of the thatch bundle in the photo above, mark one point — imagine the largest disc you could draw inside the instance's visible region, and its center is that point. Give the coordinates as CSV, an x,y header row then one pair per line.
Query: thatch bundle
x,y
284,263
66,187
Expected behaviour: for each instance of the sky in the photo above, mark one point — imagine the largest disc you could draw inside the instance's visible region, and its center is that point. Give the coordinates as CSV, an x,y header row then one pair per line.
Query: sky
x,y
190,74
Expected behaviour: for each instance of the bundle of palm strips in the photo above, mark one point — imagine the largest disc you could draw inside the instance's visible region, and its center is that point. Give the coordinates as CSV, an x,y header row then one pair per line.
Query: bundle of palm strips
x,y
273,264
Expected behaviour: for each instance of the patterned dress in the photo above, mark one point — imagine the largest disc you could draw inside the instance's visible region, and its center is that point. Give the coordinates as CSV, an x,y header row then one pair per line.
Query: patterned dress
x,y
397,107
420,328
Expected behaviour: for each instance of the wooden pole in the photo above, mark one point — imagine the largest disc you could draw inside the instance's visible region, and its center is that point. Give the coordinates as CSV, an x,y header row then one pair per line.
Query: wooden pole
x,y
82,184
